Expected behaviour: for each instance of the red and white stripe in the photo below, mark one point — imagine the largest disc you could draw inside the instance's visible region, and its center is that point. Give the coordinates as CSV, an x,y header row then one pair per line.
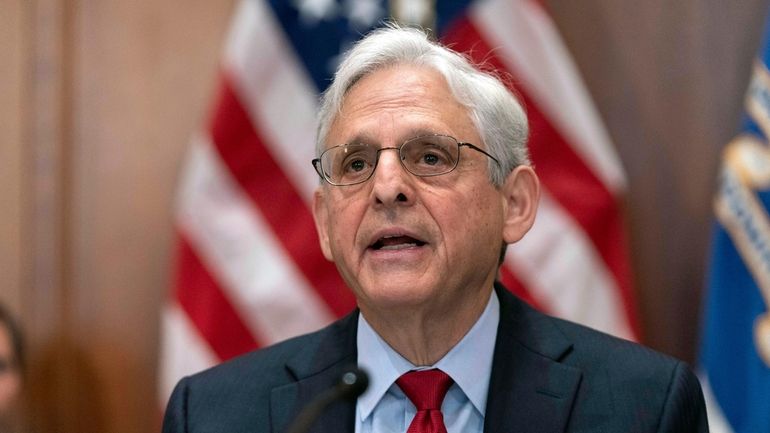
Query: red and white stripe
x,y
574,261
249,272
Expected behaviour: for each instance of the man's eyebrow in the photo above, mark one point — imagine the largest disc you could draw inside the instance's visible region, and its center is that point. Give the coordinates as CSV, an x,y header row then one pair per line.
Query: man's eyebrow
x,y
362,139
365,138
419,132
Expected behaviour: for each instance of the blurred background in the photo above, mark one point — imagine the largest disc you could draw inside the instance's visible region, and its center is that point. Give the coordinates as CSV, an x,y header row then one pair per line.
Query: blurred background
x,y
99,99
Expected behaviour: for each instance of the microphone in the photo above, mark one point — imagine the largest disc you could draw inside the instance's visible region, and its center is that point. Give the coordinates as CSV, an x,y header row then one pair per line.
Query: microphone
x,y
352,384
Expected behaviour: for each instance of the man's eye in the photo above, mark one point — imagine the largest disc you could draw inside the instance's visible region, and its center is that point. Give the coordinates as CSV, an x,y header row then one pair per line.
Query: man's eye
x,y
431,159
355,165
432,156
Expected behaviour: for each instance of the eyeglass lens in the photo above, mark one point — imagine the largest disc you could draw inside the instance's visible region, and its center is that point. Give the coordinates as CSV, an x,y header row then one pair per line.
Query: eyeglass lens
x,y
422,156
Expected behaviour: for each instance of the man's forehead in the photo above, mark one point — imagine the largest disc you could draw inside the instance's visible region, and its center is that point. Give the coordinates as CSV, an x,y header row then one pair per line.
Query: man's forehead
x,y
415,100
394,84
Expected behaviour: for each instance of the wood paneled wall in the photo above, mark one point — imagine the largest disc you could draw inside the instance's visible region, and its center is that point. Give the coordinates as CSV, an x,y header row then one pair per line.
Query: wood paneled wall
x,y
12,119
98,99
669,79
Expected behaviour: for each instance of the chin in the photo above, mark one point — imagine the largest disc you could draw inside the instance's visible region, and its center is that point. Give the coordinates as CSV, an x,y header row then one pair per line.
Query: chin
x,y
394,297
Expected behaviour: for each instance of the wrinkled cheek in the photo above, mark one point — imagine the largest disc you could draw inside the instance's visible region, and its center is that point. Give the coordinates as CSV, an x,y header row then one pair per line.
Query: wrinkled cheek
x,y
342,247
343,227
338,251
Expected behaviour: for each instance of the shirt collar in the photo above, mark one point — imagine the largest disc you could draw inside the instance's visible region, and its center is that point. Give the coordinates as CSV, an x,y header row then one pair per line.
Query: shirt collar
x,y
468,363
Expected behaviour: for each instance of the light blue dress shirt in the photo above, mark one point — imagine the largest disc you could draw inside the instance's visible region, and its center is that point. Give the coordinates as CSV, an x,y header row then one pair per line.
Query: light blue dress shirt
x,y
384,408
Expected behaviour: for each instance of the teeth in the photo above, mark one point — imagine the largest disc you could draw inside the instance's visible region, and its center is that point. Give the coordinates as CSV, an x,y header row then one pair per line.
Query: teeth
x,y
398,247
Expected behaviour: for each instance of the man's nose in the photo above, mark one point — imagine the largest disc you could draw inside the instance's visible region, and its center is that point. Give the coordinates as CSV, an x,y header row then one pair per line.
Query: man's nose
x,y
392,183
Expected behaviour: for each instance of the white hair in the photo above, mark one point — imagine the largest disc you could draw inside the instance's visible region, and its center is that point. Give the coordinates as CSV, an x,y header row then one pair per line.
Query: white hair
x,y
496,113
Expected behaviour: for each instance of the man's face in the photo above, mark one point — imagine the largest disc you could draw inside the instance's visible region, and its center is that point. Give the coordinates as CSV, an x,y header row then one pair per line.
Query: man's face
x,y
402,241
10,378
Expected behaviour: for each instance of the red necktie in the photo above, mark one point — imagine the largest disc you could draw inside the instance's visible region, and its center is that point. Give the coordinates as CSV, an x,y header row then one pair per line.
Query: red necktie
x,y
426,389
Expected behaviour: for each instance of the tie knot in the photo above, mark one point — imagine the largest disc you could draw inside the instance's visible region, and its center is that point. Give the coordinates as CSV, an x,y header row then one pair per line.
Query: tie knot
x,y
425,388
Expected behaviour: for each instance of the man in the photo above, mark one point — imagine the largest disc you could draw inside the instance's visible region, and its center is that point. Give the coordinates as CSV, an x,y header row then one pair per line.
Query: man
x,y
425,181
11,372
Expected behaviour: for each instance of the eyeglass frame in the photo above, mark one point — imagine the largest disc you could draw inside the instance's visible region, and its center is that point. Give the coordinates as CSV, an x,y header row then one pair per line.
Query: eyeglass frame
x,y
317,161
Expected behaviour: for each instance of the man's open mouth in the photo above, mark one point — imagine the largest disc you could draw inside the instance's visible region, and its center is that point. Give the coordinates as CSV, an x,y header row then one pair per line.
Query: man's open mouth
x,y
396,243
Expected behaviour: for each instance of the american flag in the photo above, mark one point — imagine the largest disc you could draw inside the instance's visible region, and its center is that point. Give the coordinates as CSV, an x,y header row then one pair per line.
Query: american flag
x,y
250,272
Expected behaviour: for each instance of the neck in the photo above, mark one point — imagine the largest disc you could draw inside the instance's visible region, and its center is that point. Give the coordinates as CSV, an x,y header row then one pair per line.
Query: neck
x,y
424,335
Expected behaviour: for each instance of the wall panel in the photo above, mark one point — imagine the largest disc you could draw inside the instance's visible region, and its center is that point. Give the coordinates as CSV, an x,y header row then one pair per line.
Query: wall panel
x,y
668,79
13,37
93,135
144,72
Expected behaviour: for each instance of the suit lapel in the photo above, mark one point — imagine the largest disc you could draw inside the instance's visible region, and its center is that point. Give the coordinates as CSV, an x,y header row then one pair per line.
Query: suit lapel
x,y
317,368
530,389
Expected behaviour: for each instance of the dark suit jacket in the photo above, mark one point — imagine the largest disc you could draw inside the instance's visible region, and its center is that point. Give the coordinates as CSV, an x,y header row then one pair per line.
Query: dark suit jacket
x,y
548,375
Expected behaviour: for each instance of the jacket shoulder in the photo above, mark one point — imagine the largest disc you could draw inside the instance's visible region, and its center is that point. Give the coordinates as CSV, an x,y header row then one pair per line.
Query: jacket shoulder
x,y
623,385
624,381
236,393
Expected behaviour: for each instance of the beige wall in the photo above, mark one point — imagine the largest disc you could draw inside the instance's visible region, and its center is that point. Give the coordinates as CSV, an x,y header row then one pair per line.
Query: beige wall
x,y
12,70
668,78
99,97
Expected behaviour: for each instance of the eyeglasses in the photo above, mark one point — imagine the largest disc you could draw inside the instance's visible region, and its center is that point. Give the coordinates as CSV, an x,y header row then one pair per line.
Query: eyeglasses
x,y
424,156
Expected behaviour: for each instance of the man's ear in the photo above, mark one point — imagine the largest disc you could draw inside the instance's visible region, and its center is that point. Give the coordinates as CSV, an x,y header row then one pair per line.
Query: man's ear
x,y
521,195
321,217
